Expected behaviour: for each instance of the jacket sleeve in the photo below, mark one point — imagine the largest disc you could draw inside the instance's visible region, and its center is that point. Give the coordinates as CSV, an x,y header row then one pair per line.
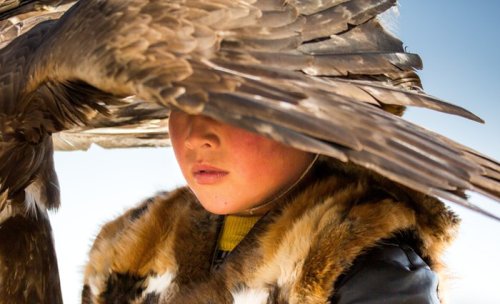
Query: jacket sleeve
x,y
389,273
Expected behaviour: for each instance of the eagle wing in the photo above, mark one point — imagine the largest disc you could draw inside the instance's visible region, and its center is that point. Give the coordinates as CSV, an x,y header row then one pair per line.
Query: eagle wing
x,y
322,76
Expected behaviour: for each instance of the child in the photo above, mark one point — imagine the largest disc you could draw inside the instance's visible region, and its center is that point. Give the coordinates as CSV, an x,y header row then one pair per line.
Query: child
x,y
261,222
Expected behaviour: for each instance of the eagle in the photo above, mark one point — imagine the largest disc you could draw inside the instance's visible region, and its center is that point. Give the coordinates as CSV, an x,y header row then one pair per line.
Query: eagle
x,y
323,76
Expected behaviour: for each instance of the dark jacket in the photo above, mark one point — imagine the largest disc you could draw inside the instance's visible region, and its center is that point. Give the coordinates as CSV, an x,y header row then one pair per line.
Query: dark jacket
x,y
389,273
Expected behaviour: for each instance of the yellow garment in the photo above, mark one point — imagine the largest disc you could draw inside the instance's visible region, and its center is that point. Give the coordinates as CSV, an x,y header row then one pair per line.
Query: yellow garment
x,y
235,229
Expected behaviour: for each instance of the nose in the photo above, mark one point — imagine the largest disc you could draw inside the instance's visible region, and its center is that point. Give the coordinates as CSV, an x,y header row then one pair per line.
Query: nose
x,y
201,133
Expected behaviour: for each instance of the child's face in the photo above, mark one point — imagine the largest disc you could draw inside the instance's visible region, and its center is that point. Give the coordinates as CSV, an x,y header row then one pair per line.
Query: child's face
x,y
230,169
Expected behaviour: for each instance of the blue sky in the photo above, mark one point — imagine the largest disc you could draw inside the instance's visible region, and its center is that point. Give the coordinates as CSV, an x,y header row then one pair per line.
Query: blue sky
x,y
459,44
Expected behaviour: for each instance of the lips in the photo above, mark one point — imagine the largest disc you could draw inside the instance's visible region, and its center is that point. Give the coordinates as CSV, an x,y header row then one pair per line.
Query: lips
x,y
207,175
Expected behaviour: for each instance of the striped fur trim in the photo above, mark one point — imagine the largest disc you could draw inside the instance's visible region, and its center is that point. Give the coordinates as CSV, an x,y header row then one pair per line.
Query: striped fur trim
x,y
161,251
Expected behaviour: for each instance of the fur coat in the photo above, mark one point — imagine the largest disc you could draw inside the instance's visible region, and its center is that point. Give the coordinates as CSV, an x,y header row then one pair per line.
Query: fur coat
x,y
161,251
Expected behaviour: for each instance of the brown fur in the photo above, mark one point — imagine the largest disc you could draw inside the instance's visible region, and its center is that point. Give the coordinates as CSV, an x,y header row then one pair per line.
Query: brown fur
x,y
294,254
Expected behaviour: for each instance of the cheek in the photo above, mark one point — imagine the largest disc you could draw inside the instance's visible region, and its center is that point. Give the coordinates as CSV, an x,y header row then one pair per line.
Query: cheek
x,y
175,129
256,157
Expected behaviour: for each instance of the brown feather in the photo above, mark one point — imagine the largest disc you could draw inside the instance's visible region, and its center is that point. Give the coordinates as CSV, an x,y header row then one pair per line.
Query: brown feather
x,y
164,53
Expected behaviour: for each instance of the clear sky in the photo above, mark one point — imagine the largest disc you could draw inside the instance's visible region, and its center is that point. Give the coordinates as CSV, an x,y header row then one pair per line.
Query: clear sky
x,y
459,44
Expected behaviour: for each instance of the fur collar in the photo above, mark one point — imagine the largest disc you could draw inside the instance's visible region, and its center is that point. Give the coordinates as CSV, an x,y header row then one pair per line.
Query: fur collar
x,y
161,251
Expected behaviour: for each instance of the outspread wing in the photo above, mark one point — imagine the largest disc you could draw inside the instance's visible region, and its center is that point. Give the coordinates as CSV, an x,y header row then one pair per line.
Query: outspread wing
x,y
323,76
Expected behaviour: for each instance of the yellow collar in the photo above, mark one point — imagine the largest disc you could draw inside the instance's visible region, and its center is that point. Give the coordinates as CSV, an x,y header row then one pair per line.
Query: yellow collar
x,y
234,229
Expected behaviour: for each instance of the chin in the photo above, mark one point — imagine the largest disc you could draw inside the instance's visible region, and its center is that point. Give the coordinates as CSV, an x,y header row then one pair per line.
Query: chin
x,y
215,206
219,209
